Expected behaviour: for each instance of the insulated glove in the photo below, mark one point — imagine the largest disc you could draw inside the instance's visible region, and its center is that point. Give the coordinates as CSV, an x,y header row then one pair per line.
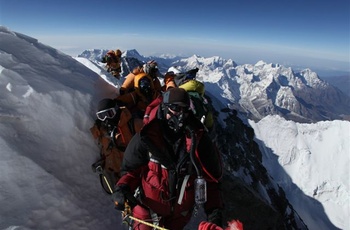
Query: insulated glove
x,y
204,225
193,71
191,74
118,196
215,216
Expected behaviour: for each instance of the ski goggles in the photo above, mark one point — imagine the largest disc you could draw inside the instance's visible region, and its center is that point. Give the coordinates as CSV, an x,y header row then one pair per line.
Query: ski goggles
x,y
107,113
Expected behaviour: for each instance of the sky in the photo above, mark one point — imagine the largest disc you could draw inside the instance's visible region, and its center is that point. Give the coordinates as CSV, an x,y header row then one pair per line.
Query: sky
x,y
297,33
44,133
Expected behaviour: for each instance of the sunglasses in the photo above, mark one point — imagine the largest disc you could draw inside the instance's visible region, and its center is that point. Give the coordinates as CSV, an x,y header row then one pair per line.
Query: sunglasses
x,y
177,108
107,113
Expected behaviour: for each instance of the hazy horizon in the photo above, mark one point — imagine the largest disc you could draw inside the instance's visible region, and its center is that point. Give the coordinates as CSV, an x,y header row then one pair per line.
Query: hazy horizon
x,y
310,34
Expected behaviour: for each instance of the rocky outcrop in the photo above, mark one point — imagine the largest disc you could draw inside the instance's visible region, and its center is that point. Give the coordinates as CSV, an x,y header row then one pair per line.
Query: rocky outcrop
x,y
250,194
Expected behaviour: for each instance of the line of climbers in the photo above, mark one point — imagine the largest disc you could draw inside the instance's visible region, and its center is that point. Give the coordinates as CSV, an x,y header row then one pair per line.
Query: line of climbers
x,y
157,159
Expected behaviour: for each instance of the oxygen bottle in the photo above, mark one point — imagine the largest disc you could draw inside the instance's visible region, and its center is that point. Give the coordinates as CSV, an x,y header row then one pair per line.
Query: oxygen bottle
x,y
200,185
200,188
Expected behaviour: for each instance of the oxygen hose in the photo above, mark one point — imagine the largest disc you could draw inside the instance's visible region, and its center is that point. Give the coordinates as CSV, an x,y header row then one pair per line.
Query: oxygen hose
x,y
192,151
200,185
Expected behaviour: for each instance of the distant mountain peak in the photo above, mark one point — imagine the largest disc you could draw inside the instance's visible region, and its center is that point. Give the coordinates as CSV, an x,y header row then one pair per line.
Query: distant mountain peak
x,y
132,53
260,63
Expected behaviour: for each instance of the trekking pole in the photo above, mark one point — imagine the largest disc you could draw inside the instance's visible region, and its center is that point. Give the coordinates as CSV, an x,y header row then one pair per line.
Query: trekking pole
x,y
107,183
99,170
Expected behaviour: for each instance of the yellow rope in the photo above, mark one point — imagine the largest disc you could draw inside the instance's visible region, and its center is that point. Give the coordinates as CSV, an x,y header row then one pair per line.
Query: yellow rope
x,y
127,212
146,223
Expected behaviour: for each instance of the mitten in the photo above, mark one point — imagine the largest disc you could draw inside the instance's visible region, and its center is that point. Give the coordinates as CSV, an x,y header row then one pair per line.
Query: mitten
x,y
215,216
118,196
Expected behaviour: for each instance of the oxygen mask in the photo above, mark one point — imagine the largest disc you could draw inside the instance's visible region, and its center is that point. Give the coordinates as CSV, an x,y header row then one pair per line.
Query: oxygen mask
x,y
176,116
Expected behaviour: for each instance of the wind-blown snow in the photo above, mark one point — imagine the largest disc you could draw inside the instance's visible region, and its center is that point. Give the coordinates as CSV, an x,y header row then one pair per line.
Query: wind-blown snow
x,y
316,157
47,105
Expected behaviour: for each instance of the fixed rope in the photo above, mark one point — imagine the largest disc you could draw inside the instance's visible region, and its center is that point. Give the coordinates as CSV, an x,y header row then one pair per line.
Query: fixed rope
x,y
145,223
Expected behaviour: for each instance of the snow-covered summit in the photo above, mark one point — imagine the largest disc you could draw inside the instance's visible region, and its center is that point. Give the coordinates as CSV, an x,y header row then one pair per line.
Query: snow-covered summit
x,y
134,54
93,54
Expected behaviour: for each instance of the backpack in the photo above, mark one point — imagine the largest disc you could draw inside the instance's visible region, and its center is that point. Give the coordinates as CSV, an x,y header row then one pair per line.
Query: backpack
x,y
180,78
113,62
109,57
199,105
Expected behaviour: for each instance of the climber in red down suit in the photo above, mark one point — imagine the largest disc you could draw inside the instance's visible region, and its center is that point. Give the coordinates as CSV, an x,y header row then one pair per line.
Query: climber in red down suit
x,y
174,164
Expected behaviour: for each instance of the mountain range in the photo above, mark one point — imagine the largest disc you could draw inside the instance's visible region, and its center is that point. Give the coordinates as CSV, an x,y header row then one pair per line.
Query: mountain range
x,y
256,90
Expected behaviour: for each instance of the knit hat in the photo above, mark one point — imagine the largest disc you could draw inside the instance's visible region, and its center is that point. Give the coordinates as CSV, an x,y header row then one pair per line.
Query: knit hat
x,y
177,96
108,110
106,103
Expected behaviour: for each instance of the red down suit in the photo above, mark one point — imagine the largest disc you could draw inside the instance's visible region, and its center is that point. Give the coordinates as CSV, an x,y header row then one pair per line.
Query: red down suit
x,y
160,165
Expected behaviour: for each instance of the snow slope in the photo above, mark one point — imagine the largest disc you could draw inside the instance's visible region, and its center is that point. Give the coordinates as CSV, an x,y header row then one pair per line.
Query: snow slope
x,y
316,158
47,105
